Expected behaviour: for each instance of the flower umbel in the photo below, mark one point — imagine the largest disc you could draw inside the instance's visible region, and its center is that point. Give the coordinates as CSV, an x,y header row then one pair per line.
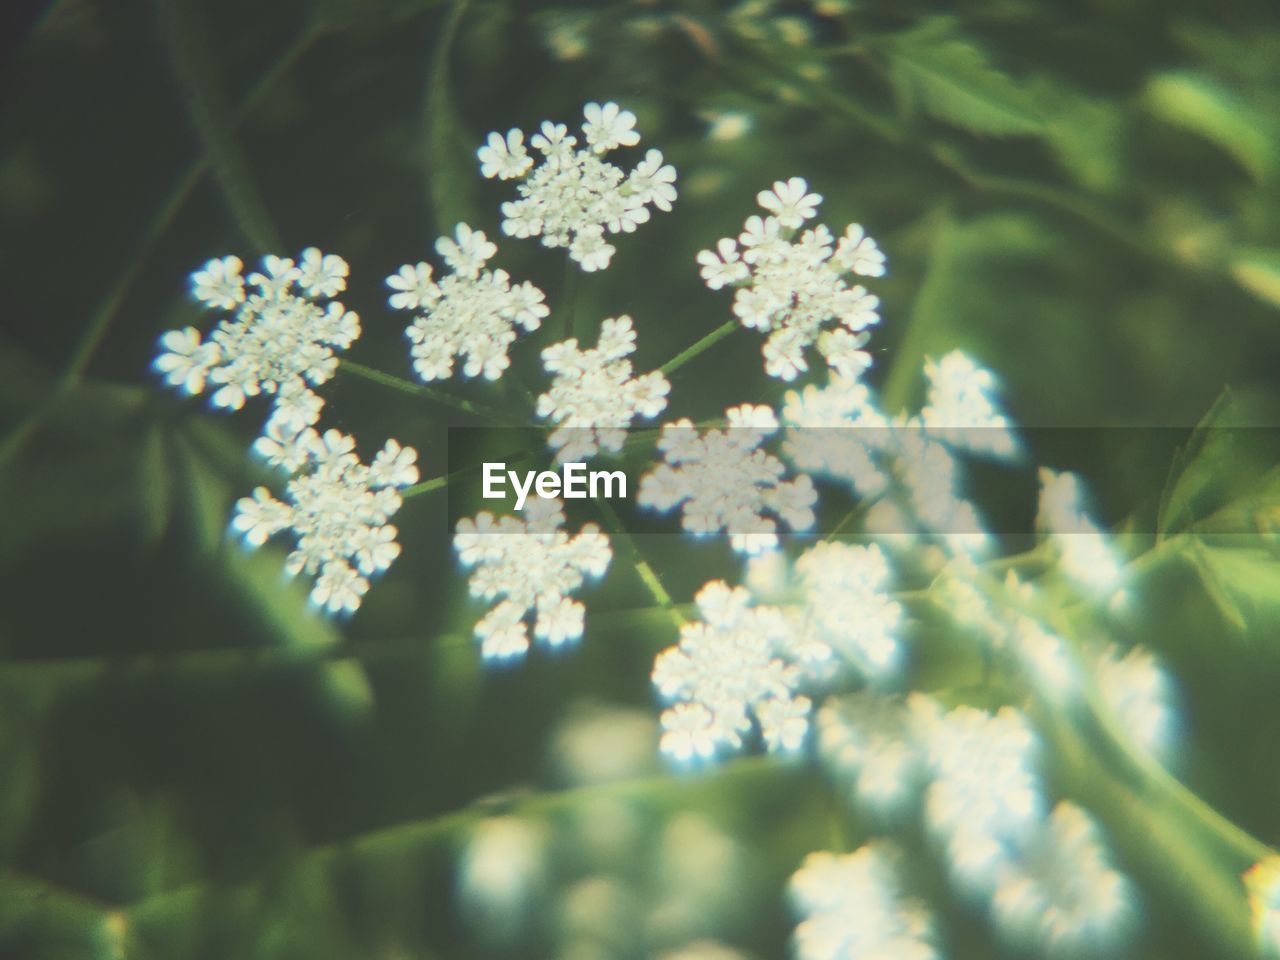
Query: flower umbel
x,y
574,197
338,511
472,313
852,906
279,341
796,288
530,566
723,482
726,668
594,396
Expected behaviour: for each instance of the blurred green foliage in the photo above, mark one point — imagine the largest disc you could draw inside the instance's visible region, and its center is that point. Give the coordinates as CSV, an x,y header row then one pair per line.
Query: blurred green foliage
x,y
1085,197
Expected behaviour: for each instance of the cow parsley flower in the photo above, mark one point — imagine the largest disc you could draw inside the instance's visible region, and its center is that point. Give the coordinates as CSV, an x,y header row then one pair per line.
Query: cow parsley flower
x,y
530,566
574,197
280,339
723,482
908,468
1140,692
847,613
868,741
1085,554
1059,896
796,287
734,663
985,793
337,510
962,410
594,397
472,313
852,906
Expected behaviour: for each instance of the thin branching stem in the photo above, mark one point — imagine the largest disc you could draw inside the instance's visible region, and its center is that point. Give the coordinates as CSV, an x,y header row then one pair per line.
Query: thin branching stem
x,y
480,410
701,346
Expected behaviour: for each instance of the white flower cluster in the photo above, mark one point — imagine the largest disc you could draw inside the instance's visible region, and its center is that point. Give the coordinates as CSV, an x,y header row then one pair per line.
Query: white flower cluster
x,y
279,340
1140,692
1060,896
1085,552
594,397
1046,879
868,742
907,467
742,660
533,566
338,510
726,483
796,288
472,313
574,196
836,598
847,615
853,906
736,662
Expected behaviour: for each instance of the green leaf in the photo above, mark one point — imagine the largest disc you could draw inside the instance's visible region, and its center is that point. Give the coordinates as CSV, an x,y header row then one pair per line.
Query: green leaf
x,y
1205,107
1259,273
954,289
1243,582
1223,474
953,80
1087,136
155,487
453,170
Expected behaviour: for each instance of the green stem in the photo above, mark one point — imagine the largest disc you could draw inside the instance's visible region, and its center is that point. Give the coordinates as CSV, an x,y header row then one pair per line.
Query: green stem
x,y
710,340
449,184
480,410
420,837
569,296
932,305
646,572
105,315
193,66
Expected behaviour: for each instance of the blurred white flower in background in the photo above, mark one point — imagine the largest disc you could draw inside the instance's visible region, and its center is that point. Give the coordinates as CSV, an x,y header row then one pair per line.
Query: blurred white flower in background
x,y
1059,897
852,906
1085,552
866,740
501,876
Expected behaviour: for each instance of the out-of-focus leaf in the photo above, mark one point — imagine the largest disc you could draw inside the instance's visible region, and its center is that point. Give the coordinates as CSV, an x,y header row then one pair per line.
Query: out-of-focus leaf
x,y
187,40
1086,135
1243,582
258,580
1211,110
155,487
1226,461
451,176
958,252
207,498
952,79
1259,273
